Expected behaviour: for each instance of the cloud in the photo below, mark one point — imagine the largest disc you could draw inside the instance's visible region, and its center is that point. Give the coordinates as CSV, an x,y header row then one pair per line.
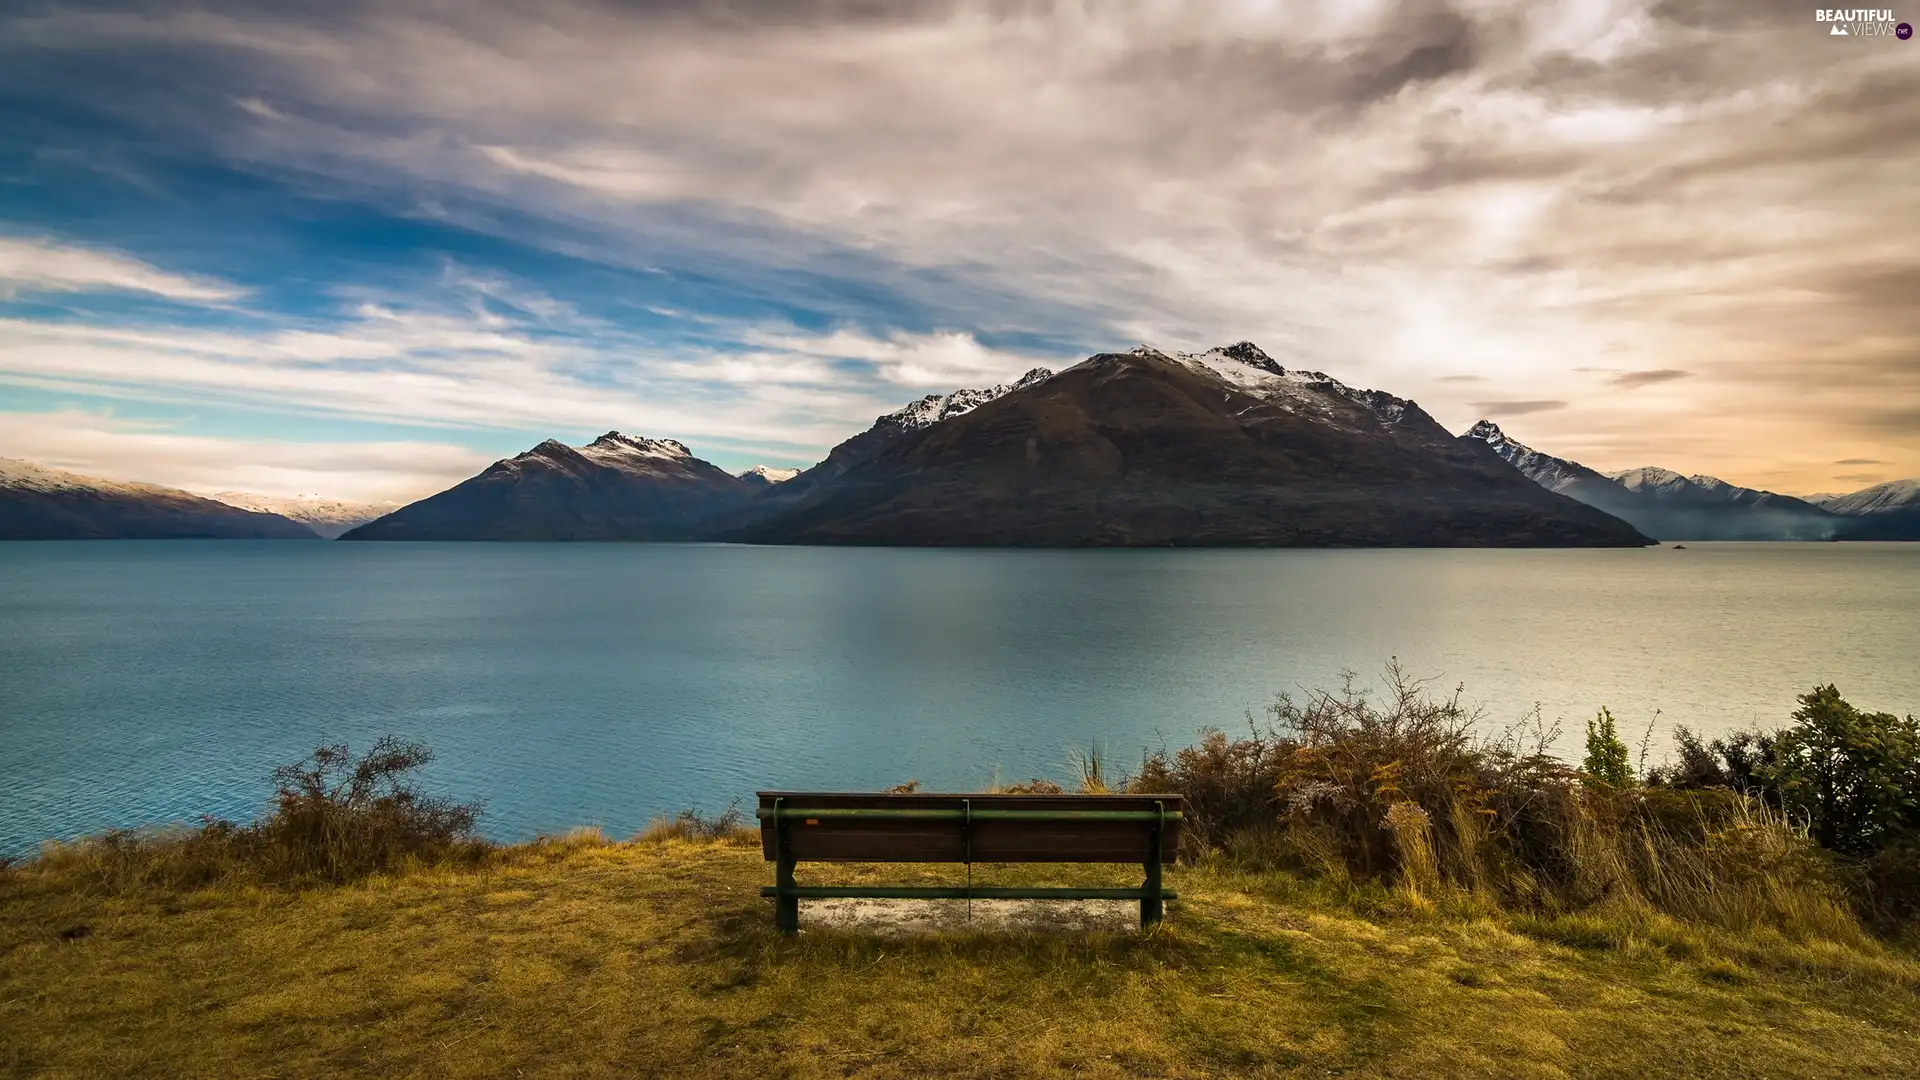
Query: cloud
x,y
1633,380
428,368
102,445
1462,378
32,265
480,349
1859,461
1517,408
946,360
1861,478
1381,190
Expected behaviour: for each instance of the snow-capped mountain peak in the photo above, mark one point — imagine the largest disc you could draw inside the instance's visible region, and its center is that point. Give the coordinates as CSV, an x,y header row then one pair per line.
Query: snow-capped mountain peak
x,y
32,476
324,515
1648,477
614,450
1242,364
768,475
1712,483
937,407
1878,499
1552,473
619,445
1248,368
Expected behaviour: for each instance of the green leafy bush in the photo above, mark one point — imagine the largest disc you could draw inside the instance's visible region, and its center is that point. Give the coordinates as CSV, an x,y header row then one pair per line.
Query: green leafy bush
x,y
1606,761
1853,776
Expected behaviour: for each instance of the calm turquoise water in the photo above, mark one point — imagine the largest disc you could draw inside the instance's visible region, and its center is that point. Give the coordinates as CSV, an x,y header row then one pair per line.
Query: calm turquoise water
x,y
600,684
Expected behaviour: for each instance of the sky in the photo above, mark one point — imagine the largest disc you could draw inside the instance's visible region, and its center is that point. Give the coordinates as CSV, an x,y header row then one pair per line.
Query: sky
x,y
363,250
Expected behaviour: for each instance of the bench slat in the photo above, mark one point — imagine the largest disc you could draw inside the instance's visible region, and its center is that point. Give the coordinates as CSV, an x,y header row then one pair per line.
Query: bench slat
x,y
976,814
960,892
823,827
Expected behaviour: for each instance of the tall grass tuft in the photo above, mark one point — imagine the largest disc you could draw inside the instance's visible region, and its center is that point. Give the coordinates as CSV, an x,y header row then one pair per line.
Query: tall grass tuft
x,y
729,825
1398,789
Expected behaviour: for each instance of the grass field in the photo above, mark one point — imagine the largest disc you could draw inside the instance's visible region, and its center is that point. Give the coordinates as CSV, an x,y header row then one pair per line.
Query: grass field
x,y
583,958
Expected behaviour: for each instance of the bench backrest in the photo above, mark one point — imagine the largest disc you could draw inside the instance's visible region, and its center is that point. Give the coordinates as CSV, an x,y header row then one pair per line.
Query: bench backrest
x,y
861,827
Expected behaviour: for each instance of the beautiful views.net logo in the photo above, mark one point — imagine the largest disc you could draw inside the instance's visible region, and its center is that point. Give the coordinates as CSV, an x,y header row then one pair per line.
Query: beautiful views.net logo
x,y
1862,22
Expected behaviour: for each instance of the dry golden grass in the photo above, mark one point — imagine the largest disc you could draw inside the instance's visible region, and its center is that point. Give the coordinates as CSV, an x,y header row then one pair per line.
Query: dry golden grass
x,y
584,958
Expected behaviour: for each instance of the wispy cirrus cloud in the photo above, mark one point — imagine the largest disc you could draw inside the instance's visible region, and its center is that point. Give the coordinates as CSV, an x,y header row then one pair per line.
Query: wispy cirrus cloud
x,y
35,264
1518,408
1633,380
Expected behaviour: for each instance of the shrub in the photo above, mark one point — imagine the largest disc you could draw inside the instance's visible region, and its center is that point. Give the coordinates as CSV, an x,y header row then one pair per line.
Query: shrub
x,y
1742,761
338,817
1890,883
1229,785
1400,789
690,824
1606,761
335,818
1854,776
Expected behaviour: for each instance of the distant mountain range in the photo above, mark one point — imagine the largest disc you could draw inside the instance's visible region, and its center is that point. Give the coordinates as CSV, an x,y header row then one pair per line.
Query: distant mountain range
x,y
328,517
1667,505
38,503
1142,448
1892,497
1889,511
1223,448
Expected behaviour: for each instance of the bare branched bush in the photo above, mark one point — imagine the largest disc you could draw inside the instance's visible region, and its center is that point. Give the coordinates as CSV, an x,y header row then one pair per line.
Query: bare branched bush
x,y
339,817
335,818
728,825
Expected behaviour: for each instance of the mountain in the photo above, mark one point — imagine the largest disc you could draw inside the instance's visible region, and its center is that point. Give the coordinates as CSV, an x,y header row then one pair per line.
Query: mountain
x,y
618,487
328,517
762,476
896,425
38,503
1663,503
885,430
1889,511
1223,448
1710,490
1313,393
1892,497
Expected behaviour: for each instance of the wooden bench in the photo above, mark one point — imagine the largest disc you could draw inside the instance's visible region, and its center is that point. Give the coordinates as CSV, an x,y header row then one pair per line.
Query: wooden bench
x,y
806,826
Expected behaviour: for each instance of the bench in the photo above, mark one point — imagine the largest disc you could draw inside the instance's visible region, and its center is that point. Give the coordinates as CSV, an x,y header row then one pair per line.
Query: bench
x,y
805,826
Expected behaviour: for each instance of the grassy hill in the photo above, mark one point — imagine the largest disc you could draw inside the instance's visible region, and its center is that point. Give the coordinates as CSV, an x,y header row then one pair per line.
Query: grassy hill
x,y
584,958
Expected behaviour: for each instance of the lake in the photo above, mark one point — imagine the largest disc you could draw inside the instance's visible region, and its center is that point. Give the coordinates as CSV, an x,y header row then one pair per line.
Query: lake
x,y
602,684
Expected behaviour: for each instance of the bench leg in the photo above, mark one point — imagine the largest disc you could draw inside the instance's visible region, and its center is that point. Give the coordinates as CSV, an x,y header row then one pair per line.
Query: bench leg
x,y
786,906
1152,907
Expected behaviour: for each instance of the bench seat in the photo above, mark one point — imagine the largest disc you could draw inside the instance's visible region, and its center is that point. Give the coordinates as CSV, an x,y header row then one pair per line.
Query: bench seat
x,y
926,827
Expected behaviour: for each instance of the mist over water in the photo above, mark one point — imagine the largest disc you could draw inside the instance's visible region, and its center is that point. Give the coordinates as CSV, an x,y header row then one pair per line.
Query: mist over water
x,y
601,684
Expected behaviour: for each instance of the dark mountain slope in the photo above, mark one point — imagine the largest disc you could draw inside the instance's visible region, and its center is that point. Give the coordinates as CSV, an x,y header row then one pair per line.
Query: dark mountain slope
x,y
617,487
1142,448
38,503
